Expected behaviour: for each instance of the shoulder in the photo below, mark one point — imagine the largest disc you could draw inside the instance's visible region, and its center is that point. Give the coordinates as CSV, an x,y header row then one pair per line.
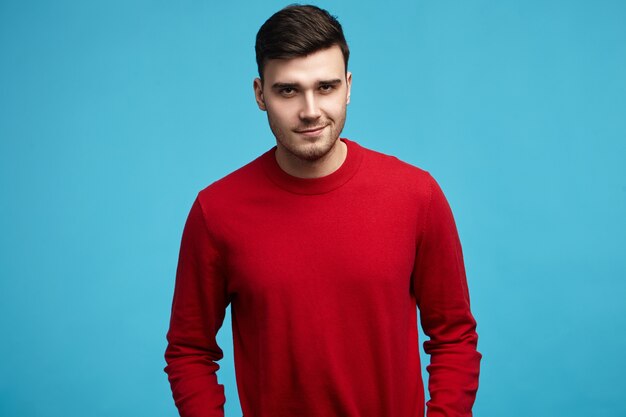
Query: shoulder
x,y
390,171
235,185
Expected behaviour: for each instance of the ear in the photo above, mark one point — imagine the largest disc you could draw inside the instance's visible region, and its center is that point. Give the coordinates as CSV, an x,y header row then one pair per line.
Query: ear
x,y
349,85
258,93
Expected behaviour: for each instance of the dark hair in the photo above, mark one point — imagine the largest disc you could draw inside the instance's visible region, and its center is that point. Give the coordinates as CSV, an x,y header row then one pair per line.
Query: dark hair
x,y
298,30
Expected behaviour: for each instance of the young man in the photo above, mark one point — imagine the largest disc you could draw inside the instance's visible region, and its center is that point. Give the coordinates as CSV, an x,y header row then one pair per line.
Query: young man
x,y
323,249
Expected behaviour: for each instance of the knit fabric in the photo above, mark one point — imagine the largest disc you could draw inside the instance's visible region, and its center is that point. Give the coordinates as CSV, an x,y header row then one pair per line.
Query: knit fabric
x,y
323,277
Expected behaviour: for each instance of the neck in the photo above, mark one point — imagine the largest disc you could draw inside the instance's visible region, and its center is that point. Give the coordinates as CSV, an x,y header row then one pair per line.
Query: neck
x,y
321,167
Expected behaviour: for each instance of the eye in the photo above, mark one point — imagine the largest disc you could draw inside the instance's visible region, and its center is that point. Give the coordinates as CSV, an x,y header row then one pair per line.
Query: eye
x,y
326,88
287,91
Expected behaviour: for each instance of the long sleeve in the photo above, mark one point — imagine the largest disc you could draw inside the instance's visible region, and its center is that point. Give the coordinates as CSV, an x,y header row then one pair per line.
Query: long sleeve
x,y
443,299
198,309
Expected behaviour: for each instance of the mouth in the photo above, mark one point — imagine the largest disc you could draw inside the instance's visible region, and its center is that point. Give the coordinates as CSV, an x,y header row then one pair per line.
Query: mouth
x,y
312,131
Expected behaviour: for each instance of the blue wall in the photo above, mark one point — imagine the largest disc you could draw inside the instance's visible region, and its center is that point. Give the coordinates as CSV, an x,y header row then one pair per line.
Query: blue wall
x,y
113,115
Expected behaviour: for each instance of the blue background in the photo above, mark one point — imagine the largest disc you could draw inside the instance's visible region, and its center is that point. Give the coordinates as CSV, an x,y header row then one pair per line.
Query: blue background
x,y
114,114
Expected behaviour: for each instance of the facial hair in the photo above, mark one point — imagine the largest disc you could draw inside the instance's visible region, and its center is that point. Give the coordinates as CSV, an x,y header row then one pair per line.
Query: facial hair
x,y
305,149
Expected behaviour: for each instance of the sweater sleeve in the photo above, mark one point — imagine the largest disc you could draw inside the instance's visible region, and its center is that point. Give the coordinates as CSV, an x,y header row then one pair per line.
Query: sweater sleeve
x,y
443,299
198,309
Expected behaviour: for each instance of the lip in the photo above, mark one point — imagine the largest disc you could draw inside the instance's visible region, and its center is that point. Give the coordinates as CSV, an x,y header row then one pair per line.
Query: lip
x,y
311,132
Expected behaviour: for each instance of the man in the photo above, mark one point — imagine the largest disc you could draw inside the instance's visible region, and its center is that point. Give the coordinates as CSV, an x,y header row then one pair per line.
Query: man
x,y
323,249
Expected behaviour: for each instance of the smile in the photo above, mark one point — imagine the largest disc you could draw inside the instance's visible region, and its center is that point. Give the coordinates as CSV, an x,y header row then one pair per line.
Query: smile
x,y
311,132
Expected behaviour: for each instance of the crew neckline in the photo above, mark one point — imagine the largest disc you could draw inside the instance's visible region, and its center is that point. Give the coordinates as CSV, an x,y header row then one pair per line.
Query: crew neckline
x,y
319,185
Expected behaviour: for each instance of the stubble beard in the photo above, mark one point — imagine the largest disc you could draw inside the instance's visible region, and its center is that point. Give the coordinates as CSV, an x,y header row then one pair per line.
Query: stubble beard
x,y
313,149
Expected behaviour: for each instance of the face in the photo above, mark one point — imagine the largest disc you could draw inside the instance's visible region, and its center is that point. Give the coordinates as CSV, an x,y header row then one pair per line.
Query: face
x,y
305,99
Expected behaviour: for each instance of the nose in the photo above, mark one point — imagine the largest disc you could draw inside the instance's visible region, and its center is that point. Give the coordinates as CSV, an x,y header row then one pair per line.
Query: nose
x,y
310,107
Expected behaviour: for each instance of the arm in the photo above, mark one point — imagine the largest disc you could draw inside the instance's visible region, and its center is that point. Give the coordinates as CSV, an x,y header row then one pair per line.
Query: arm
x,y
198,310
443,300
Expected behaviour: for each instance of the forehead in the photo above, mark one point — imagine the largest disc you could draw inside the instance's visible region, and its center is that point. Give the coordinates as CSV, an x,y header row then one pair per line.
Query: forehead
x,y
320,65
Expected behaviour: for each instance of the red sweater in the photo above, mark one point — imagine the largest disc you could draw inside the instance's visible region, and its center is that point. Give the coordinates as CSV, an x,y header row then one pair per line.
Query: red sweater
x,y
323,277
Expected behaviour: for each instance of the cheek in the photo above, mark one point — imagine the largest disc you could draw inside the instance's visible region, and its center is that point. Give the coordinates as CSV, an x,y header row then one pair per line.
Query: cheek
x,y
335,108
282,111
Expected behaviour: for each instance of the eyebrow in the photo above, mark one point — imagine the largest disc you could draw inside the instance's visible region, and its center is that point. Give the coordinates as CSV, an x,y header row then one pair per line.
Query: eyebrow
x,y
277,86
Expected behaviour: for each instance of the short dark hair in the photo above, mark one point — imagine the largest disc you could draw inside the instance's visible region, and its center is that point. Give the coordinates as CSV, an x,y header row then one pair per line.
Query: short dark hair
x,y
296,31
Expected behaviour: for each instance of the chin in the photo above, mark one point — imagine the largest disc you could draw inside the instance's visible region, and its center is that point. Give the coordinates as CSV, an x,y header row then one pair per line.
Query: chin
x,y
312,151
